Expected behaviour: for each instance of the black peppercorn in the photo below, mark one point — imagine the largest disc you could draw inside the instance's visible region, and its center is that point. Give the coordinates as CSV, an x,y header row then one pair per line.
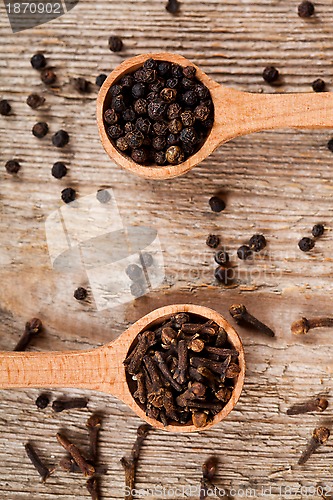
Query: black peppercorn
x,y
306,9
174,155
144,125
189,72
318,230
35,101
168,95
115,90
134,139
157,85
216,204
38,61
110,116
158,143
60,139
80,293
122,144
223,275
12,166
159,157
270,74
115,131
257,242
221,257
172,83
68,195
202,112
306,244
187,84
164,68
244,252
118,103
187,118
59,170
42,401
129,127
81,85
127,81
157,109
139,155
137,289
48,76
147,259
148,75
134,272
152,96
175,126
318,85
115,43
212,241
5,107
173,6
190,98
174,111
100,79
176,70
103,196
129,115
330,145
202,91
172,140
139,90
140,106
188,136
40,129
160,128
150,64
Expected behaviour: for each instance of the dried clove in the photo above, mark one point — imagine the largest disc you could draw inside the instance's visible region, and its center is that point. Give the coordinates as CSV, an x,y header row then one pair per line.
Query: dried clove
x,y
41,468
94,426
129,463
303,325
32,329
86,468
240,314
93,488
68,404
180,373
209,469
69,465
316,404
320,436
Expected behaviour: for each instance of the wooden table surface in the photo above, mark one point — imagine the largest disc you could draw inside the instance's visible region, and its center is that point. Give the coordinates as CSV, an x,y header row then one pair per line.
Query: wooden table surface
x,y
276,183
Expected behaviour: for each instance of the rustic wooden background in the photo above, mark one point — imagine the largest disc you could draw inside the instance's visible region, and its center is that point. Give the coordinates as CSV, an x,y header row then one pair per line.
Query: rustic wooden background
x,y
278,183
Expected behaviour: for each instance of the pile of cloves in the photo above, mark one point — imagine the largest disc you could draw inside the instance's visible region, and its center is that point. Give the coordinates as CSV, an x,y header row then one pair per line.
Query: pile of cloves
x,y
183,371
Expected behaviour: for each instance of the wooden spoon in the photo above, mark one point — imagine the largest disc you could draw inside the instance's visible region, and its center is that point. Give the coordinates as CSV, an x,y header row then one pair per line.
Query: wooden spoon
x,y
102,369
236,113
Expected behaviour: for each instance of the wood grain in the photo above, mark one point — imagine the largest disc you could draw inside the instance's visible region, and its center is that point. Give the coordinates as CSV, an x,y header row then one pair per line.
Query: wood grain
x,y
277,182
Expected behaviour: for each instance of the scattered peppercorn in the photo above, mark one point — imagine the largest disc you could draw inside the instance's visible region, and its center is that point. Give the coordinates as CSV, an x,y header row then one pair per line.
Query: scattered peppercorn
x,y
221,257
38,61
216,204
270,74
42,401
223,274
318,85
48,76
59,170
115,43
134,272
60,139
244,252
40,130
154,100
68,195
12,166
80,293
173,6
212,241
257,242
5,107
137,289
100,79
318,230
306,244
35,101
306,9
103,196
81,85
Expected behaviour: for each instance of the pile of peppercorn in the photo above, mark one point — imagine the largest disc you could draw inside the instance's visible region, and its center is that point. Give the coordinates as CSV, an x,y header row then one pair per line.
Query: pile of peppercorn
x,y
160,114
184,371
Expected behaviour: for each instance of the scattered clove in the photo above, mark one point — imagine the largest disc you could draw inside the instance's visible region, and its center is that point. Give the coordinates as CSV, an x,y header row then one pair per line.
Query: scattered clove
x,y
94,426
93,488
41,468
129,463
69,404
320,436
69,465
303,325
240,314
86,468
209,470
32,329
316,404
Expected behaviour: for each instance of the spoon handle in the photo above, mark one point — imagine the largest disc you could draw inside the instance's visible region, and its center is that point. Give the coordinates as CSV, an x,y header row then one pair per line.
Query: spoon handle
x,y
241,113
79,369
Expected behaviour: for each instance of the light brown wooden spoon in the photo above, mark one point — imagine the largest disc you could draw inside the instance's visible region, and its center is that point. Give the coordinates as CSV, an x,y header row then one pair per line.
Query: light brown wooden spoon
x,y
236,113
102,369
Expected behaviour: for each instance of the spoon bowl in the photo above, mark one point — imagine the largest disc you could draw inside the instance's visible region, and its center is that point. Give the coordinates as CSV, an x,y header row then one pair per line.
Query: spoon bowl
x,y
102,369
236,113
